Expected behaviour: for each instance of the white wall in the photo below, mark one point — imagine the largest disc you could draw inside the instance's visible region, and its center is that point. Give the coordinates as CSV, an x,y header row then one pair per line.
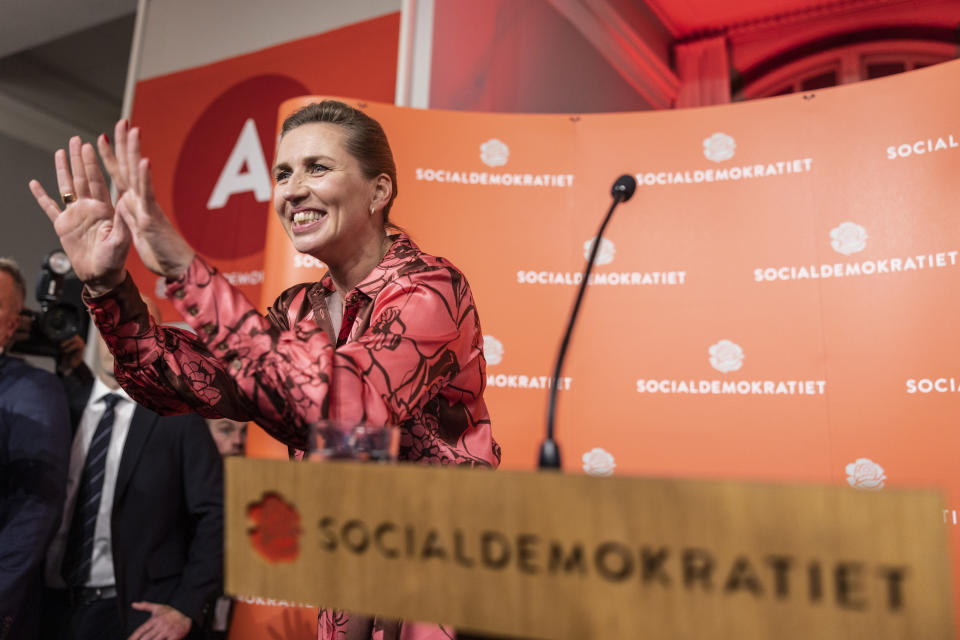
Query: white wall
x,y
27,235
180,34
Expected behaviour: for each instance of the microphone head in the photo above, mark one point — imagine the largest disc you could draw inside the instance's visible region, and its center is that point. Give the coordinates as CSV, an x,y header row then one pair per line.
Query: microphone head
x,y
624,187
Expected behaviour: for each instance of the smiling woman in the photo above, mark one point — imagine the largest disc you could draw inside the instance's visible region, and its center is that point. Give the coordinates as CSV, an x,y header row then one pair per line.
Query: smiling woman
x,y
326,203
335,185
389,335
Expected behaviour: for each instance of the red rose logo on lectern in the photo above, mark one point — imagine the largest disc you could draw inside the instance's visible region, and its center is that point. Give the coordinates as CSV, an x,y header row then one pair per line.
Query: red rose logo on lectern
x,y
276,531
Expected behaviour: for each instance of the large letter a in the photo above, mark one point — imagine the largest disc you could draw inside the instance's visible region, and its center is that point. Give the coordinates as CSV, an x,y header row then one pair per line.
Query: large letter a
x,y
246,153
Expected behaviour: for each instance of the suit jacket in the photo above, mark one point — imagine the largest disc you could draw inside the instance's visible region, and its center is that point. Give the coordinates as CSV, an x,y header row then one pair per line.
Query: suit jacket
x,y
34,454
167,518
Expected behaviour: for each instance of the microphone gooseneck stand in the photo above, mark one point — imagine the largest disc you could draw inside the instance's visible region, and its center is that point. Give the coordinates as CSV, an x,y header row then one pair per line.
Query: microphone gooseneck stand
x,y
621,191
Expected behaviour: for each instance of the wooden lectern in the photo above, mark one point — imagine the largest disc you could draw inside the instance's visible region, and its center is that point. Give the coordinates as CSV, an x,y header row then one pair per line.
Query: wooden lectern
x,y
546,555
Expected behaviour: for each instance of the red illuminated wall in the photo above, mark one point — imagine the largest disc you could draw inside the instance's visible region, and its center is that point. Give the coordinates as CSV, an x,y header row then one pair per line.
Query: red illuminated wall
x,y
525,56
520,56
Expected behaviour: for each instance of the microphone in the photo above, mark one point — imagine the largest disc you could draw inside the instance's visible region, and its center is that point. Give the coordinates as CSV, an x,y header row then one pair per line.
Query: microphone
x,y
624,186
622,190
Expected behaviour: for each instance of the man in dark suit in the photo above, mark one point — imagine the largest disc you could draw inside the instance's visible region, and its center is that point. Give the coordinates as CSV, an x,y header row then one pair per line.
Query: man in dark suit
x,y
140,550
34,443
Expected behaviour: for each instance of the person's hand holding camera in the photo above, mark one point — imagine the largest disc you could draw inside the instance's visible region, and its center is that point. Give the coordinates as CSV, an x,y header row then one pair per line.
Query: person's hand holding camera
x,y
71,354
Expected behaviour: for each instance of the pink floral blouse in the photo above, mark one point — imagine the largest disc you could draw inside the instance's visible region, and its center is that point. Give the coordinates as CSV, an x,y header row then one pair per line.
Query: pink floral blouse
x,y
409,353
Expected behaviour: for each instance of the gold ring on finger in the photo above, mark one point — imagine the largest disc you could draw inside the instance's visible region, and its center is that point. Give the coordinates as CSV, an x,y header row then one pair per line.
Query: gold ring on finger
x,y
68,197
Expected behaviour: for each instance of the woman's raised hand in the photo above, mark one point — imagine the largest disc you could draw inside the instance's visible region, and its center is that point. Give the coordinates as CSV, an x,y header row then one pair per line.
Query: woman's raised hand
x,y
92,233
161,247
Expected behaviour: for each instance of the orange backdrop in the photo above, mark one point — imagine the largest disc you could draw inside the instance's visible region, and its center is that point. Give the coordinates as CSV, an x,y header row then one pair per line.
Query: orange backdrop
x,y
775,303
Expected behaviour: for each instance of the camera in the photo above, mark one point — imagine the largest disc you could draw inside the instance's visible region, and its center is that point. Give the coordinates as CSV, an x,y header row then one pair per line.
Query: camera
x,y
62,313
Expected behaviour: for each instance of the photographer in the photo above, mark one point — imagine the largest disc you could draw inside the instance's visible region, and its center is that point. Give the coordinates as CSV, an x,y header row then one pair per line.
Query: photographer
x,y
34,449
57,330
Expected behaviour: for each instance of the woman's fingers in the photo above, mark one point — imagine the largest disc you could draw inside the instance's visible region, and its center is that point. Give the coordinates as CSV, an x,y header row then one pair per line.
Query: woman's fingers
x,y
133,158
121,228
120,139
110,162
98,186
146,183
126,215
48,204
81,189
64,179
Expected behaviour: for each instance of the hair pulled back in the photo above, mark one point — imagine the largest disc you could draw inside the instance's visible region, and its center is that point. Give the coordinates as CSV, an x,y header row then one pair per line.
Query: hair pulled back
x,y
366,140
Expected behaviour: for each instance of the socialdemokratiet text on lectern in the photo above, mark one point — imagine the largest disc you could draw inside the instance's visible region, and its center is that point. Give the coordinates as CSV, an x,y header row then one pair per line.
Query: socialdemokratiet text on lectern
x,y
546,555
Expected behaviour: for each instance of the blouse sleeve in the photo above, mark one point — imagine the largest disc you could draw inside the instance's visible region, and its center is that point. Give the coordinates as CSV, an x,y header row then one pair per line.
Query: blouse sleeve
x,y
245,366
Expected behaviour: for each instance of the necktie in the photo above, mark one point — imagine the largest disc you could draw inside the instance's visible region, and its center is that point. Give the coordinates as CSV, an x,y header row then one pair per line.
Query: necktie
x,y
79,552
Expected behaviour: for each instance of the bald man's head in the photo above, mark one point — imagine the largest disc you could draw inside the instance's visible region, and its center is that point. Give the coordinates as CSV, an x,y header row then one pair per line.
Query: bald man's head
x,y
12,294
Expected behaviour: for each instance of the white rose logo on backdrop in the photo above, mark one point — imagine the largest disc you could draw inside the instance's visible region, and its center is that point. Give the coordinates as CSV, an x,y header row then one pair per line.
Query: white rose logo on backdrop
x,y
605,254
719,147
598,462
494,153
492,350
848,238
865,474
726,356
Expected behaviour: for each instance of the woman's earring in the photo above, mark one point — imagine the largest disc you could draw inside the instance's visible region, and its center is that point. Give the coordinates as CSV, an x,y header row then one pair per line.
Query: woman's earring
x,y
372,209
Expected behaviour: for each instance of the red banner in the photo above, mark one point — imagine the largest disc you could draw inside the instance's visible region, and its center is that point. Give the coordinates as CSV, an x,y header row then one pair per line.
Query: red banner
x,y
209,132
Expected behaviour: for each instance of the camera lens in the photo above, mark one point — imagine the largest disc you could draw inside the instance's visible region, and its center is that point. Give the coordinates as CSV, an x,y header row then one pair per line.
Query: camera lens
x,y
59,323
